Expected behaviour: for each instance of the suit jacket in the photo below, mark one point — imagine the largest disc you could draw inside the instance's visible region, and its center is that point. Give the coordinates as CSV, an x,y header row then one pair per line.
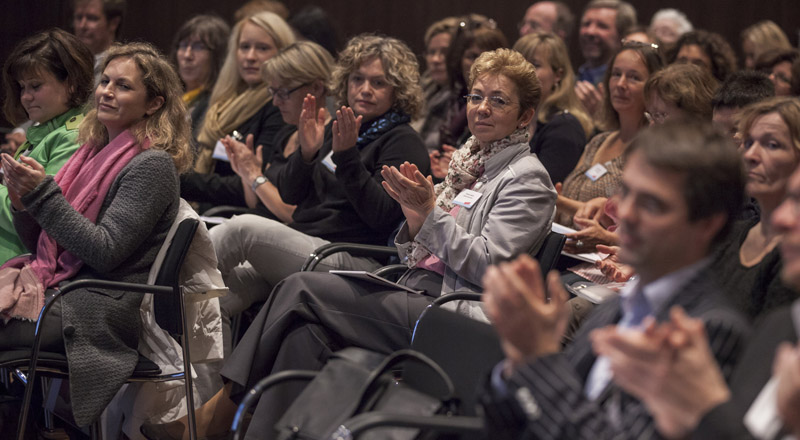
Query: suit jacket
x,y
546,398
751,375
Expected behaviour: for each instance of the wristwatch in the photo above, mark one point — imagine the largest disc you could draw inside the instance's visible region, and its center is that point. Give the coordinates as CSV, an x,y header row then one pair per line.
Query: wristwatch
x,y
260,180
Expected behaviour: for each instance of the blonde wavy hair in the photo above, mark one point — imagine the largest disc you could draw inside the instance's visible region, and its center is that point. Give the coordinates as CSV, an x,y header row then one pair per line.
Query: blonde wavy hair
x,y
399,65
168,128
563,96
299,63
765,35
230,83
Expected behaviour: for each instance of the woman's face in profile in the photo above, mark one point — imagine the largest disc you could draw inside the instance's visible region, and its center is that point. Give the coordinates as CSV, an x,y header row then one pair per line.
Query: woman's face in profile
x,y
493,110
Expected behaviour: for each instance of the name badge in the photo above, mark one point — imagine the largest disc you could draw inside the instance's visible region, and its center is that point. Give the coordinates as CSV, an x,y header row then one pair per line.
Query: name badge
x,y
596,172
467,198
328,162
220,153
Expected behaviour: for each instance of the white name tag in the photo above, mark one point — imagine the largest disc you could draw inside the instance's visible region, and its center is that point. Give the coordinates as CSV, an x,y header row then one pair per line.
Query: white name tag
x,y
220,153
596,172
467,198
328,162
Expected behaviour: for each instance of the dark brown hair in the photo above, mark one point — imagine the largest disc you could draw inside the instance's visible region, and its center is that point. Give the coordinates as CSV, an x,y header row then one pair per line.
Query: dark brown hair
x,y
55,51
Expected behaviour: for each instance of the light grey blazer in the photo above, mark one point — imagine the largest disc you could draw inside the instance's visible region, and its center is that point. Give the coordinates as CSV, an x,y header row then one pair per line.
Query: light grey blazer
x,y
513,216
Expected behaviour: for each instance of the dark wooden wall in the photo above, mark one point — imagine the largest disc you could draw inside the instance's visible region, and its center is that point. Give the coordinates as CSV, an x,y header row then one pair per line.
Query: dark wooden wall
x,y
155,21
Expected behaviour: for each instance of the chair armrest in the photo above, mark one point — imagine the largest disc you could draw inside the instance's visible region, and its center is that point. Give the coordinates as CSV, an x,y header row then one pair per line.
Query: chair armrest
x,y
259,388
455,296
225,211
357,425
355,249
389,270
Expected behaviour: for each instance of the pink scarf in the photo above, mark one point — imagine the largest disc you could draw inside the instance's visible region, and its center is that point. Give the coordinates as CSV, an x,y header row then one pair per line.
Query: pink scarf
x,y
84,180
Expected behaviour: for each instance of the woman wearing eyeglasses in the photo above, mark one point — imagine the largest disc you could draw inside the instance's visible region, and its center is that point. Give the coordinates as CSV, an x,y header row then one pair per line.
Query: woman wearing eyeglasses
x,y
240,104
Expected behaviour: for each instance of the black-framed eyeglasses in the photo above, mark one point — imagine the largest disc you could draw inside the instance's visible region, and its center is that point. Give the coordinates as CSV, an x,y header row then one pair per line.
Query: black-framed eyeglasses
x,y
284,93
495,101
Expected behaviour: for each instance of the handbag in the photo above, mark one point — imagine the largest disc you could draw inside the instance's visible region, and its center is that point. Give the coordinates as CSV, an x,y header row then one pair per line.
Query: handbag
x,y
355,381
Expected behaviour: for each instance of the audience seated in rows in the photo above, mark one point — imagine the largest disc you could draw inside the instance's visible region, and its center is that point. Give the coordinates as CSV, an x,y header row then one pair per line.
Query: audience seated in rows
x,y
669,366
240,103
447,245
681,185
135,141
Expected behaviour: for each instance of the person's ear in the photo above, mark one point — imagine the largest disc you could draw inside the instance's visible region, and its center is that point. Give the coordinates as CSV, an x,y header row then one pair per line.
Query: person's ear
x,y
318,88
525,118
559,75
154,104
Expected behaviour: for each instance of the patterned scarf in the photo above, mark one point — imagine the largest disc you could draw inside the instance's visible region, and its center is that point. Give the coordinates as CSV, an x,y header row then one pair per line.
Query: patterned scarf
x,y
380,125
468,163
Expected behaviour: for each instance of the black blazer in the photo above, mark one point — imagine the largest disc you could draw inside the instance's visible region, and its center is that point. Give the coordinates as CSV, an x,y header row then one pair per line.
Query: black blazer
x,y
546,397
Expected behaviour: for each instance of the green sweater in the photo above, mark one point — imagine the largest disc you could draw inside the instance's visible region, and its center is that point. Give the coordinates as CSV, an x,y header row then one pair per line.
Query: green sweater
x,y
51,144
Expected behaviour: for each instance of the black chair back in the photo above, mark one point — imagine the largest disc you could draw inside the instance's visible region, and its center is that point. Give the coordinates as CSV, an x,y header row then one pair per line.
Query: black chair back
x,y
167,307
471,350
550,251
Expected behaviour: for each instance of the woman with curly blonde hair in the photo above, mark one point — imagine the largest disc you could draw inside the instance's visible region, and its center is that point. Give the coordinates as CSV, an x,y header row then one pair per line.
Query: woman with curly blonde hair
x,y
93,220
333,177
561,126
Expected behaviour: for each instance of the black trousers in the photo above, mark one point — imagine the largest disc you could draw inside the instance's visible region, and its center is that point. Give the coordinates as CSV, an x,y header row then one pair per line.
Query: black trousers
x,y
311,315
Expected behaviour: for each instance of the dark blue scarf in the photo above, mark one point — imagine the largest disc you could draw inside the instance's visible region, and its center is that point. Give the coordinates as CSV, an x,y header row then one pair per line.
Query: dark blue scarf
x,y
380,125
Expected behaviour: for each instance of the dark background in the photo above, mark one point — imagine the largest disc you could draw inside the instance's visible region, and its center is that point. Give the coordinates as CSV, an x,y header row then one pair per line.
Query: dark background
x,y
155,21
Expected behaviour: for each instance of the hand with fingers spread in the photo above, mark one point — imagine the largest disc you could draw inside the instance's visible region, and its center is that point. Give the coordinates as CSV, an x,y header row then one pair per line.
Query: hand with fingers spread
x,y
21,177
529,325
413,191
345,129
311,129
244,160
611,267
440,161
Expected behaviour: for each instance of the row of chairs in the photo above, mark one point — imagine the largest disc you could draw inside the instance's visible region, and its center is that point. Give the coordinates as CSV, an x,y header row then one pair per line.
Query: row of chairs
x,y
436,334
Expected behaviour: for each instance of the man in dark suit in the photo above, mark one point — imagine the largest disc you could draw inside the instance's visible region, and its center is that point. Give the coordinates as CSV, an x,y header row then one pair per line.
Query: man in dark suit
x,y
681,185
763,400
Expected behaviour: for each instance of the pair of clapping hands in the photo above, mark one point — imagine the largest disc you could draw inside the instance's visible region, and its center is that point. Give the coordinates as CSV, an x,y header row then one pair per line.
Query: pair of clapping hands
x,y
671,369
21,177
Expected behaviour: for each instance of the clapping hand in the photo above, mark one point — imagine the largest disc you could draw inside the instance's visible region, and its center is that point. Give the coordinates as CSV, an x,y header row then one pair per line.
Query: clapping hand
x,y
244,161
311,129
21,177
413,191
529,325
345,129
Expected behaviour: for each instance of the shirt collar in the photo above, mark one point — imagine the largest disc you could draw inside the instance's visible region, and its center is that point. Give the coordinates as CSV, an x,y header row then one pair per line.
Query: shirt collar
x,y
659,292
